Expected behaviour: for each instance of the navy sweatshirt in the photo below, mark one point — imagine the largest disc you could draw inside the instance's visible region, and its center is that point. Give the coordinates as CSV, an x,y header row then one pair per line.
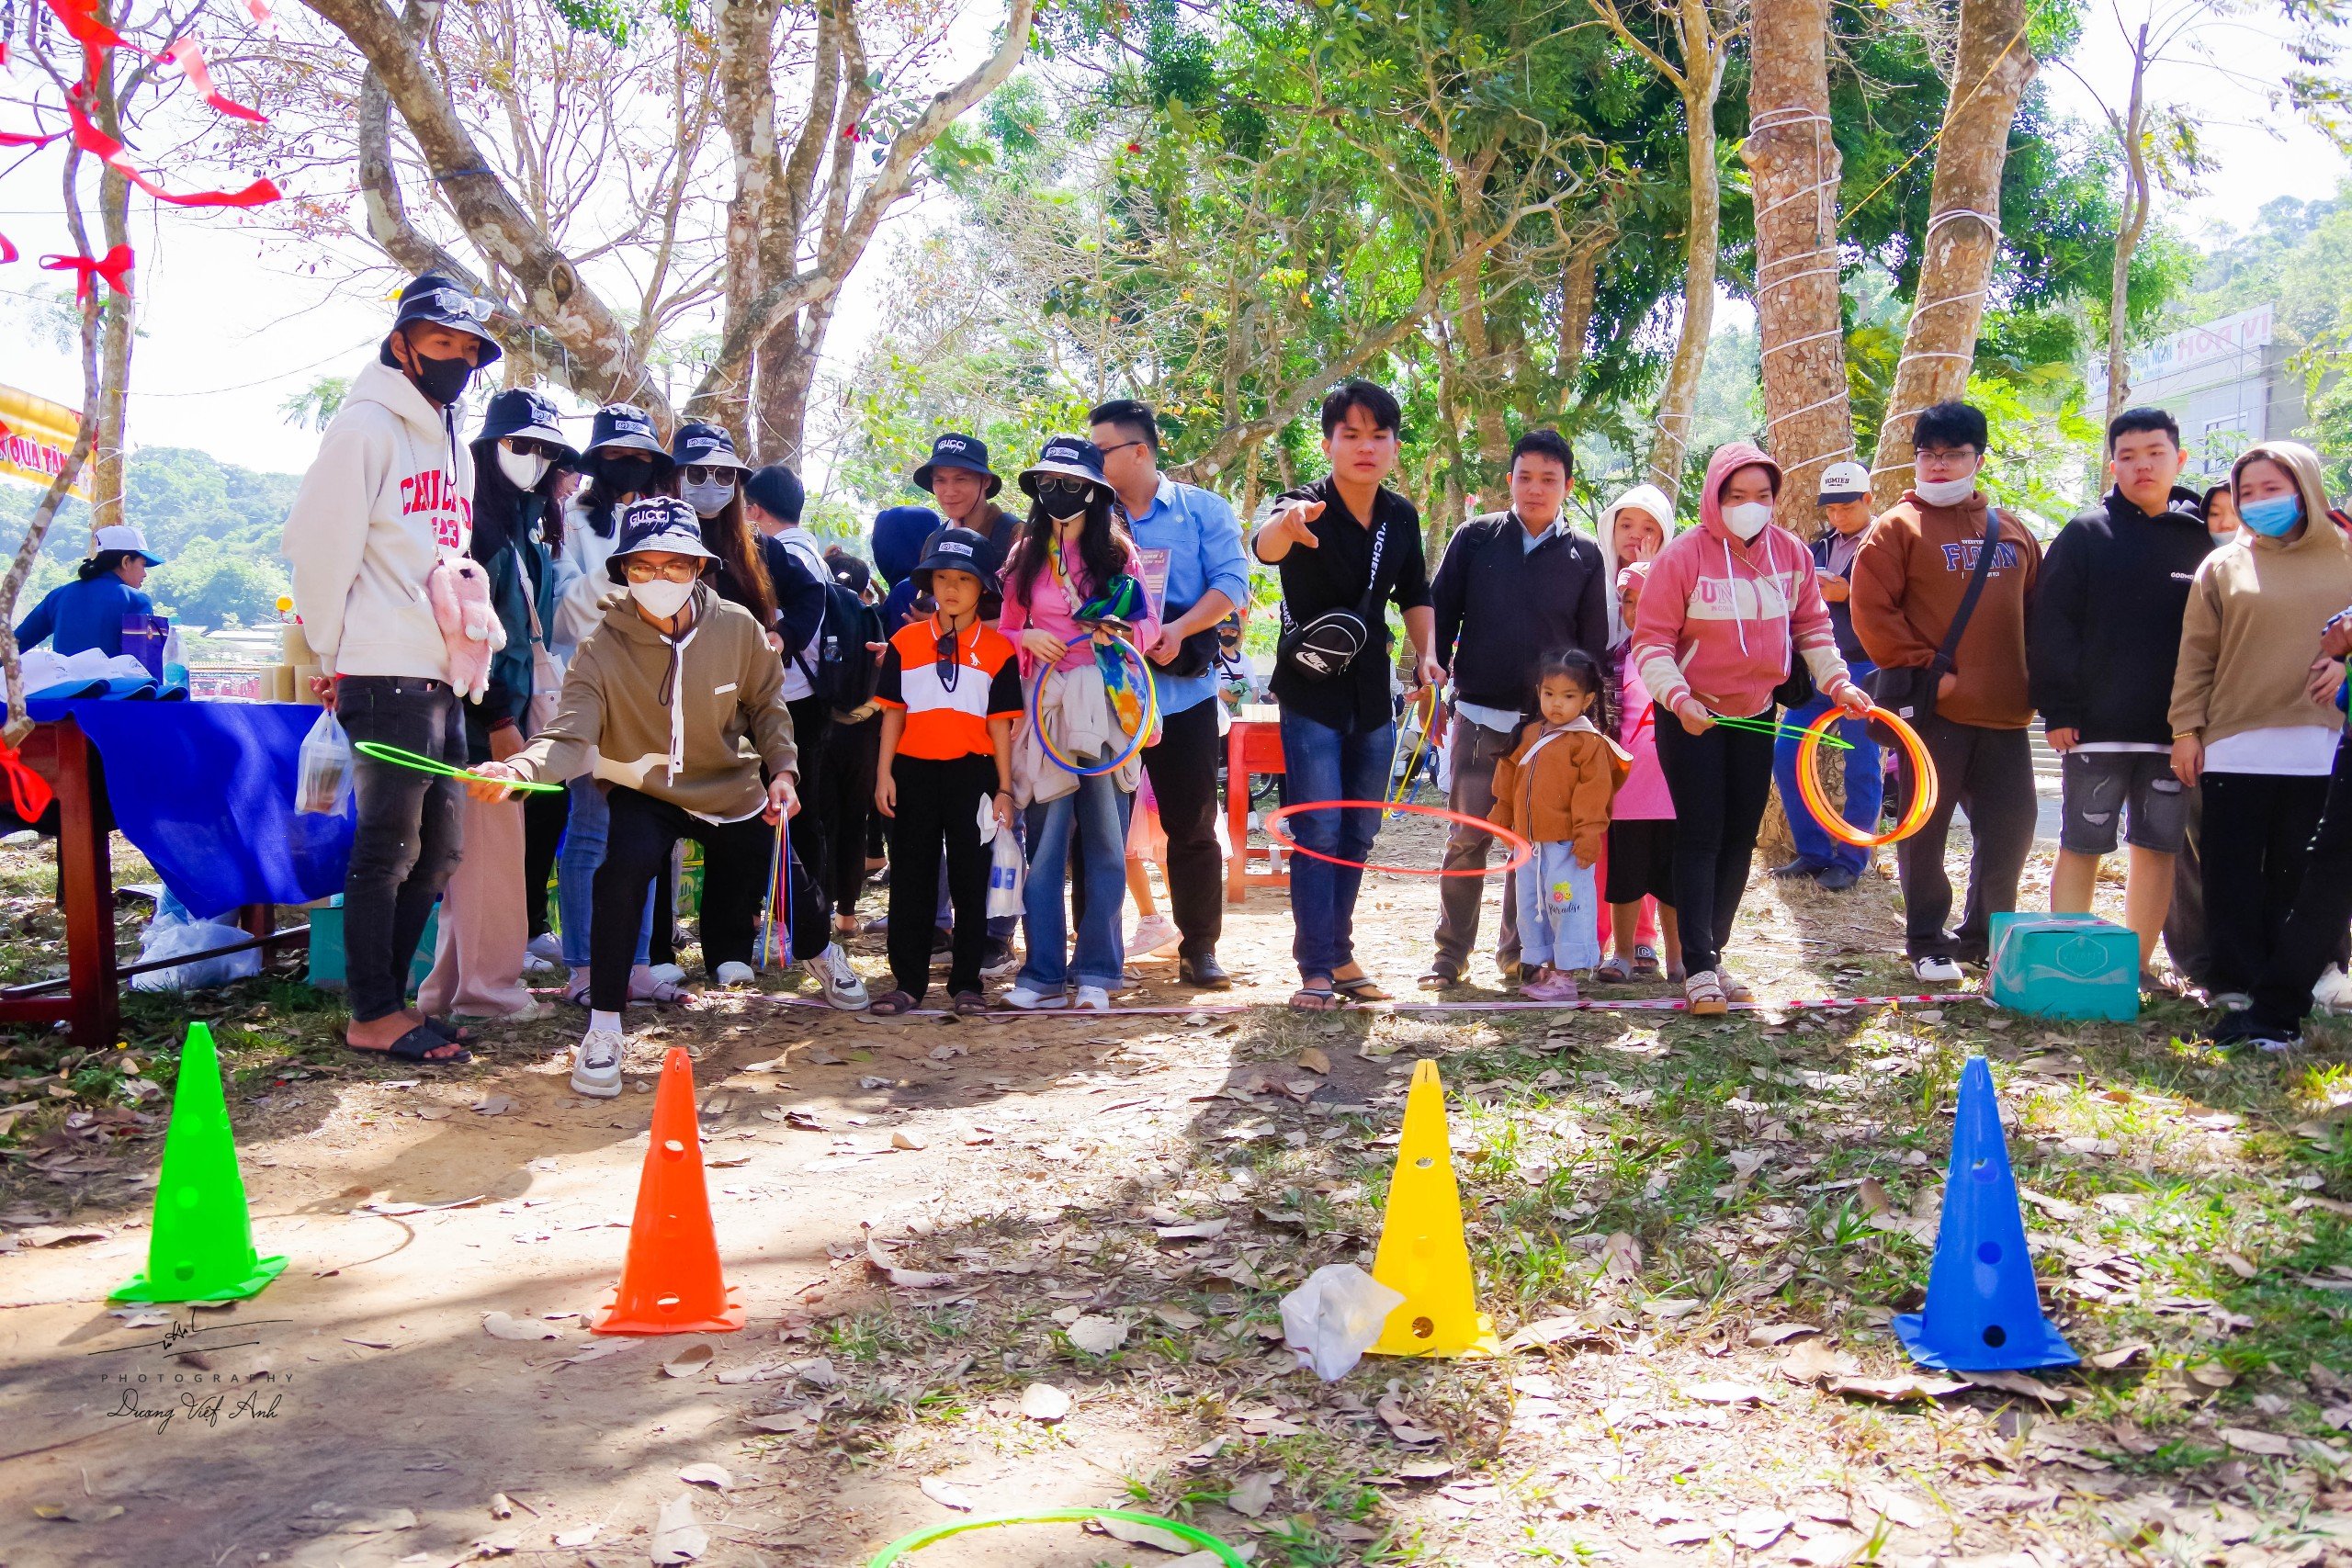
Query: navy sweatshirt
x,y
2103,628
1501,607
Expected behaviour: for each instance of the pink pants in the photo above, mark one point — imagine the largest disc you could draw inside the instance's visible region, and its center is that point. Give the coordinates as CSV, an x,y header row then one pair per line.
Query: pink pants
x,y
478,958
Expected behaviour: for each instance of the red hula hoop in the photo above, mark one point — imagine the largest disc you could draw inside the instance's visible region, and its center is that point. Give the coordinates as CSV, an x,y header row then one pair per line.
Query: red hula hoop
x,y
1521,851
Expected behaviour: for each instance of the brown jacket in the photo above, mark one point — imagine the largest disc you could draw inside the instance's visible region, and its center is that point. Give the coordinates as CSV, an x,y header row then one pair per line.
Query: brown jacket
x,y
2251,630
1562,795
1909,577
612,715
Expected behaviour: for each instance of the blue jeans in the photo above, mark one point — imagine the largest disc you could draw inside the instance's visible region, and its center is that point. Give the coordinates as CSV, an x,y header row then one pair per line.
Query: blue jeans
x,y
575,875
1097,812
1865,784
1323,763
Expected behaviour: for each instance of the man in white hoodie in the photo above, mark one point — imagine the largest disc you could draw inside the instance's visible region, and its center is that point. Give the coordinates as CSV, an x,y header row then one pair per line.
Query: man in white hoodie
x,y
390,496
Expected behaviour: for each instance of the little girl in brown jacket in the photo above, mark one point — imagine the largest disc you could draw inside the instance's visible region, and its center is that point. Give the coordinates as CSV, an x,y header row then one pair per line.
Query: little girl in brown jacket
x,y
1554,790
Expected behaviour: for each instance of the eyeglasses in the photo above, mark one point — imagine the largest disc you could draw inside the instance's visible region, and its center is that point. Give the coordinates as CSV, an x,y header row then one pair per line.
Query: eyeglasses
x,y
1077,489
684,570
1122,446
524,446
950,664
707,473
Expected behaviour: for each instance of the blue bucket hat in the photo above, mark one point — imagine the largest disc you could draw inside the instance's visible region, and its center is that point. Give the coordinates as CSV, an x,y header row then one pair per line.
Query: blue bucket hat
x,y
708,444
957,451
439,301
628,427
659,523
1070,456
518,411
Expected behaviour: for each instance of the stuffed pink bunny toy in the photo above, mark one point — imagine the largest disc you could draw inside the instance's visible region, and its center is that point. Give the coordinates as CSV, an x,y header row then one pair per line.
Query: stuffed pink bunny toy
x,y
459,590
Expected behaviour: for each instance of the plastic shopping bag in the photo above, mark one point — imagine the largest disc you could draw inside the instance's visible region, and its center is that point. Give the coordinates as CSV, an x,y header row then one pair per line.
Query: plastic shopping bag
x,y
172,934
322,779
1006,865
1331,1321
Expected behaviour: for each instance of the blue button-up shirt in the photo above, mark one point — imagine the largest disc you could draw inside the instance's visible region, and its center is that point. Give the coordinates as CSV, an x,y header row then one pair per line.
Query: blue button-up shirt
x,y
1191,543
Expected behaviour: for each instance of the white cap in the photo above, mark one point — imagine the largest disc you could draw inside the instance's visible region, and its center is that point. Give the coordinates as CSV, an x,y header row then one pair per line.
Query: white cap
x,y
123,537
1845,481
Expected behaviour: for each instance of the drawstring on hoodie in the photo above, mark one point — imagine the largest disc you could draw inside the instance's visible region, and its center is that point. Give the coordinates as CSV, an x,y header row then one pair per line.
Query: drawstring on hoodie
x,y
671,696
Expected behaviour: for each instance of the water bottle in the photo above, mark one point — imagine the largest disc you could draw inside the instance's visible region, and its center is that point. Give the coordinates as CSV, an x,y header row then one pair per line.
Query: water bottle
x,y
175,660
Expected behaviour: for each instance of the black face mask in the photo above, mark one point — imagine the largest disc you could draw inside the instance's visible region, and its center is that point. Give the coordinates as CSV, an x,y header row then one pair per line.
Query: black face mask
x,y
441,381
621,476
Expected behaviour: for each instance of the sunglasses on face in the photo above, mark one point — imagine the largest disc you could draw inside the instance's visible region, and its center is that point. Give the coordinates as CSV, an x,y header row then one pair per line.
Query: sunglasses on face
x,y
524,446
708,473
1075,490
676,571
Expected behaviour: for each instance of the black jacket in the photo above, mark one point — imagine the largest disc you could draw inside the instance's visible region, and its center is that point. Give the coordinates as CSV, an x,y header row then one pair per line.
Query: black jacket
x,y
2103,628
1501,607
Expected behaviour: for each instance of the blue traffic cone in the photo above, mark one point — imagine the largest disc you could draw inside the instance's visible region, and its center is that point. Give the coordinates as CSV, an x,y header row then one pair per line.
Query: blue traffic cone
x,y
1983,1314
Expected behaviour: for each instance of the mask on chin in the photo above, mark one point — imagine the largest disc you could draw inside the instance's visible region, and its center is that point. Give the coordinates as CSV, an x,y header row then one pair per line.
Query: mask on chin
x,y
523,473
1748,519
662,598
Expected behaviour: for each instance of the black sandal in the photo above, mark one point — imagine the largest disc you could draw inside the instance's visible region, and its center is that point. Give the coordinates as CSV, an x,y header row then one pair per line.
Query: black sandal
x,y
450,1029
414,1046
892,1004
970,1004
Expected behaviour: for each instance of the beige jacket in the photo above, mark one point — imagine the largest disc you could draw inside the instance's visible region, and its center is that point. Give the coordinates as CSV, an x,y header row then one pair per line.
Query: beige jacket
x,y
2251,632
688,750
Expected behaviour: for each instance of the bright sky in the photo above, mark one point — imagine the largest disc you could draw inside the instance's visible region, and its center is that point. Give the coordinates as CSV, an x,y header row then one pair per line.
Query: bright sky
x,y
232,323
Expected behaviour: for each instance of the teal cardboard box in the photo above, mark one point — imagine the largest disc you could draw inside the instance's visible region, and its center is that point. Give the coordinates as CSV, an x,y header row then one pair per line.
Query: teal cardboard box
x,y
326,947
2065,967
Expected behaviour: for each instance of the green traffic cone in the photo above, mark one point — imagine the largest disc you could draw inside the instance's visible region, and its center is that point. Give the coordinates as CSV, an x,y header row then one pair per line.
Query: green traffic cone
x,y
202,1248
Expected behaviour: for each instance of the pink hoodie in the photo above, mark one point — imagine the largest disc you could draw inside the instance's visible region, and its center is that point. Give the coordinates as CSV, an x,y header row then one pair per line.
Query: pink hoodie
x,y
1718,618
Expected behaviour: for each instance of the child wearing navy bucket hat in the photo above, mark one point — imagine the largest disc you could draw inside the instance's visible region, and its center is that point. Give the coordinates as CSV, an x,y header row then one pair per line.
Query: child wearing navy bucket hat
x,y
1075,606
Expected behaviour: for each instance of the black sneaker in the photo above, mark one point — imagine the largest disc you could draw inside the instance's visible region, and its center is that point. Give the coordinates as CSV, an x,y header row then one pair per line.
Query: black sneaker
x,y
2244,1028
1839,879
1804,866
998,959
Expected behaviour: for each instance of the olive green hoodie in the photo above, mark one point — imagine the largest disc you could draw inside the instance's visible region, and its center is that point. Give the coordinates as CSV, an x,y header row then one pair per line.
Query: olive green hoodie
x,y
619,718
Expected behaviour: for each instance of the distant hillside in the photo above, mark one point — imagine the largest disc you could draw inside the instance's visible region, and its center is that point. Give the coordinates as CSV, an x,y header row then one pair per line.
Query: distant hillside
x,y
215,524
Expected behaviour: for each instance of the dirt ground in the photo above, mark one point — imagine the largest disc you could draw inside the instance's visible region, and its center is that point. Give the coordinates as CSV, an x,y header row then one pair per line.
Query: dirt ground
x,y
1697,1231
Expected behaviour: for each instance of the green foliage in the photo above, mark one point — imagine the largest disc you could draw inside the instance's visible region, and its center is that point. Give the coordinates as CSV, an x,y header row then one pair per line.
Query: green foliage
x,y
314,405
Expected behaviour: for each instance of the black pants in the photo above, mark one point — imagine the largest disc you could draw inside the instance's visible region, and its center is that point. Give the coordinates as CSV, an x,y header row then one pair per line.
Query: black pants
x,y
1182,766
938,810
811,722
2257,832
1720,781
543,820
2312,934
844,799
1988,774
2185,937
736,858
405,843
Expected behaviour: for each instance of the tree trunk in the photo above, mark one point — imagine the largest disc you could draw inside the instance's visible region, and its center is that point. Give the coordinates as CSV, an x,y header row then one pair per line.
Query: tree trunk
x,y
2137,196
1577,284
1963,233
1794,165
788,358
1669,446
109,410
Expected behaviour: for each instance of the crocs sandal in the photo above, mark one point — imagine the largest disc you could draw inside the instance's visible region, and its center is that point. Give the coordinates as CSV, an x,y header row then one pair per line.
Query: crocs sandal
x,y
1362,989
1703,997
891,1004
1613,972
415,1045
1314,999
969,1004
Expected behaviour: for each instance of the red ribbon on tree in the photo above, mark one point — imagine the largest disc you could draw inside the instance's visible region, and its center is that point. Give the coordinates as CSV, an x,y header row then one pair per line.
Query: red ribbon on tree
x,y
190,60
7,250
114,266
26,139
91,140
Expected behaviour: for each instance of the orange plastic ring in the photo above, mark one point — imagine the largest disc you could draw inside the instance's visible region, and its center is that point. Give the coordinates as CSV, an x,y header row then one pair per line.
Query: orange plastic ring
x,y
1923,772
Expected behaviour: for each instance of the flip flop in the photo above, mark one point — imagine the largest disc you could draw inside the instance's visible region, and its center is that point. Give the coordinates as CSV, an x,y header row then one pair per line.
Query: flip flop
x,y
1314,998
450,1029
414,1046
1613,972
1362,988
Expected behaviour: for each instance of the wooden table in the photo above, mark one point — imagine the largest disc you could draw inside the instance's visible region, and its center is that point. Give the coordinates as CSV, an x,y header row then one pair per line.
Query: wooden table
x,y
1254,745
91,1006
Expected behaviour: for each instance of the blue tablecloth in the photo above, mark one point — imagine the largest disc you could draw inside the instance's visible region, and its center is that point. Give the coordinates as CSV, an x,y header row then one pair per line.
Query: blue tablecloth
x,y
206,791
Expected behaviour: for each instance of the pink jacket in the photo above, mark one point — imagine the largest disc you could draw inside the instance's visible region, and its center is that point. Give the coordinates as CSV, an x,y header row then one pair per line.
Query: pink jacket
x,y
1720,619
1644,796
1050,611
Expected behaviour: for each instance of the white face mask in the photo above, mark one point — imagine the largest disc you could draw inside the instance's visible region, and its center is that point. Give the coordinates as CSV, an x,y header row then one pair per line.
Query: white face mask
x,y
524,473
708,500
1748,519
1945,492
662,598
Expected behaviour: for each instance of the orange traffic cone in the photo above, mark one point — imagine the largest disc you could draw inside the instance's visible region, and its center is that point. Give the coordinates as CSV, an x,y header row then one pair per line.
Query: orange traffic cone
x,y
670,1281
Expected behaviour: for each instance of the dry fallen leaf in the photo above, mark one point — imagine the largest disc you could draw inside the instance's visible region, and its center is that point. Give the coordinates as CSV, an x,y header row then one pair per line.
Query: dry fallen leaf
x,y
945,1493
494,1105
502,1325
1814,1360
1724,1393
1895,1390
2246,1440
81,1511
1145,1535
1315,1059
1777,1333
1871,1195
2239,1265
906,1140
1097,1335
1426,1470
1253,1493
689,1362
706,1475
2108,1361
1620,1255
584,1536
676,1536
2018,1383
1044,1402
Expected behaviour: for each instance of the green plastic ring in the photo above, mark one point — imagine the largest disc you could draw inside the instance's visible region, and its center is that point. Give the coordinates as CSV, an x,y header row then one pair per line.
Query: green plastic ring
x,y
907,1545
399,759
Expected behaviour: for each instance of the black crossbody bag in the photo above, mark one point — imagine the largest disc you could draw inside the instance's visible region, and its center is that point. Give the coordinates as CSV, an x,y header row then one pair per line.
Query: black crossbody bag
x,y
1909,692
1326,645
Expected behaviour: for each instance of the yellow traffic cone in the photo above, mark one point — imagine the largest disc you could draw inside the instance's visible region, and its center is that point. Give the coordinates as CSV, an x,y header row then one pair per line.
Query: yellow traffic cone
x,y
1423,1250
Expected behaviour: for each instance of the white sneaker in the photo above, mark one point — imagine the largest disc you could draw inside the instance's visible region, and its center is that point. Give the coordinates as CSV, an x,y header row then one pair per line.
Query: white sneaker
x,y
1937,970
533,964
1154,933
596,1063
1028,999
1092,998
669,974
842,986
734,972
2234,1002
547,946
2334,992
